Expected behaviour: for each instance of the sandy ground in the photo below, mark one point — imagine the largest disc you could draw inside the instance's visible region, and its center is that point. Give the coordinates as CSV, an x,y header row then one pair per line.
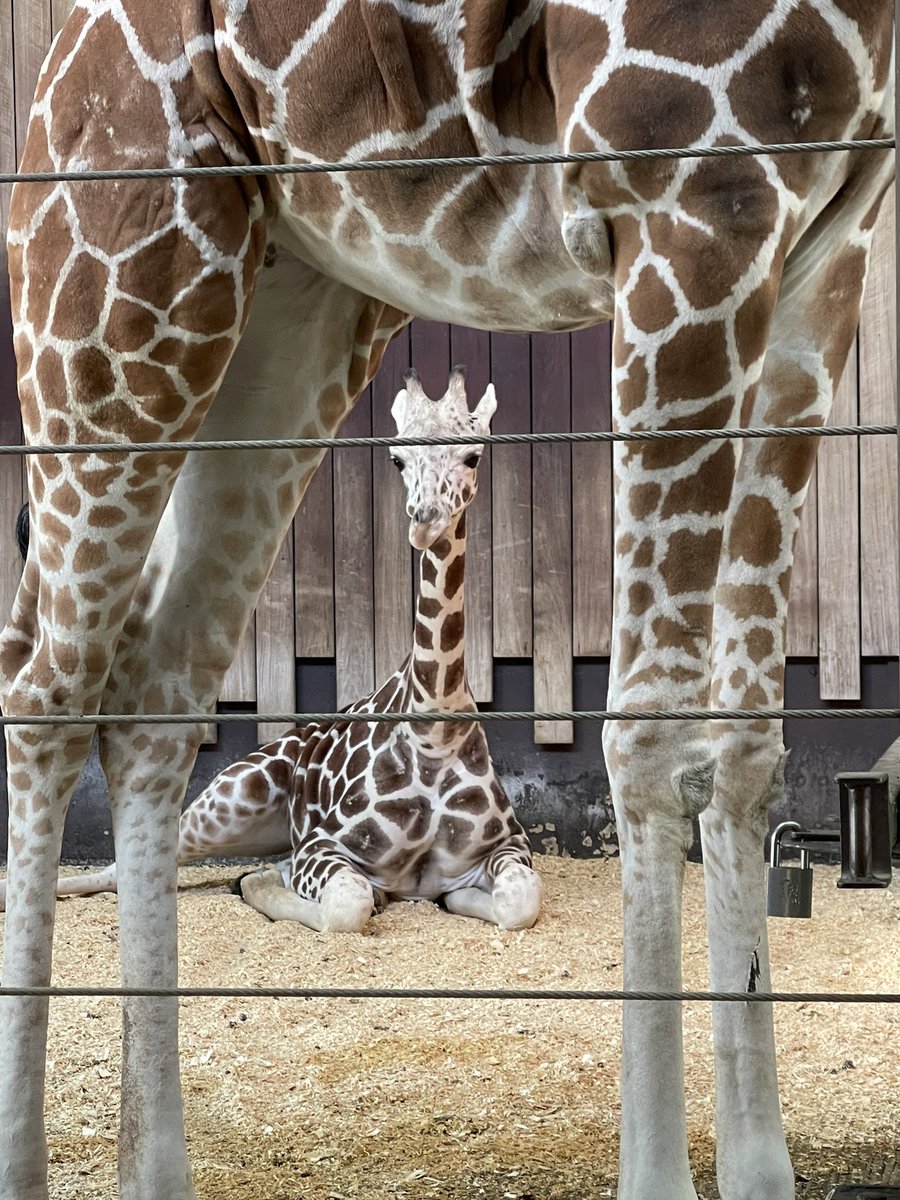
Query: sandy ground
x,y
289,1099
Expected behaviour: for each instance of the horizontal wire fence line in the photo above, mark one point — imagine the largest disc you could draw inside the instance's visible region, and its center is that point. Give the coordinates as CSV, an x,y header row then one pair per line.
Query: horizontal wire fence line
x,y
401,717
386,993
488,439
458,161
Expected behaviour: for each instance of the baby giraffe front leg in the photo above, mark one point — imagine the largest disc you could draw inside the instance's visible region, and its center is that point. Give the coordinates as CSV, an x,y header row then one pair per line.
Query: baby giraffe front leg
x,y
344,906
513,903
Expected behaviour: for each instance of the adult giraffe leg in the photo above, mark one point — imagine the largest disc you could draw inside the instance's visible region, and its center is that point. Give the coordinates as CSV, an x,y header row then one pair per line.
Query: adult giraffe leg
x,y
812,331
675,365
93,519
308,349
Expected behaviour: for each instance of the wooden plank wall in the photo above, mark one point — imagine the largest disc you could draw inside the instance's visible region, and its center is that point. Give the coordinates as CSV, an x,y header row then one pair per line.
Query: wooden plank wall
x,y
539,580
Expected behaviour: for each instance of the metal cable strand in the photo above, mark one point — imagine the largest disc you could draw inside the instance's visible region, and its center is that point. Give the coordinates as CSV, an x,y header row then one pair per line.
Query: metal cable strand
x,y
474,160
398,718
492,439
387,993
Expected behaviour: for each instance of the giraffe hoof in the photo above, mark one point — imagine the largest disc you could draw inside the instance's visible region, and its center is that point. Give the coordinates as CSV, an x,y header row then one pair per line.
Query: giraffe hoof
x,y
255,881
379,900
236,887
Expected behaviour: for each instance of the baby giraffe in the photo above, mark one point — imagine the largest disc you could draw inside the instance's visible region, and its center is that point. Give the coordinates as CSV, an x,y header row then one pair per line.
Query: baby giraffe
x,y
375,811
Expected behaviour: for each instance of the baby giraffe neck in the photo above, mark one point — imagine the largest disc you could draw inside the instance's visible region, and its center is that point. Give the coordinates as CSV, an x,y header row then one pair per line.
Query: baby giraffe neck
x,y
438,658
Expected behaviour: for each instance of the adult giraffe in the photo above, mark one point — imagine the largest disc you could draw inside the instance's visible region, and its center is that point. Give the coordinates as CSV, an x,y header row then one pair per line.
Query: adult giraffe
x,y
234,308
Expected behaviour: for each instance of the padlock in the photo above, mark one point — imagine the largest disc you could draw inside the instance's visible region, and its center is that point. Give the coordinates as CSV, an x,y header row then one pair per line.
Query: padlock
x,y
789,889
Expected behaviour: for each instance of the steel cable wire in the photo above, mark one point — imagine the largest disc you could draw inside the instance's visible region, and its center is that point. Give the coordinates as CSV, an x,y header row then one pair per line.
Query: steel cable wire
x,y
452,161
404,717
491,439
407,993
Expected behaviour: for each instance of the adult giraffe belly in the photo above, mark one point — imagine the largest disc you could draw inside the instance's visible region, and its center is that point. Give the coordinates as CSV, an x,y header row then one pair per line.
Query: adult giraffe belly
x,y
497,269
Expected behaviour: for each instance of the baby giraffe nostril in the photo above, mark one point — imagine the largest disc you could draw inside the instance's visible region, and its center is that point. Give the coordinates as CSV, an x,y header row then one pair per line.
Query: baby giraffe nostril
x,y
427,516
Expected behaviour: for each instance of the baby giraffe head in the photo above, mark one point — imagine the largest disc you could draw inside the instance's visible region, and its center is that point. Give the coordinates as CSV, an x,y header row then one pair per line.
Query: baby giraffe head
x,y
440,480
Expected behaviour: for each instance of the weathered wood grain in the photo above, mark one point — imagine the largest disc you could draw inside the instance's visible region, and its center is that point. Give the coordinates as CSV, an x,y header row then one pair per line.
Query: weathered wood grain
x,y
838,510
8,155
10,502
239,684
354,617
314,566
392,565
472,349
592,497
430,355
878,455
802,639
552,525
59,11
276,683
511,498
31,29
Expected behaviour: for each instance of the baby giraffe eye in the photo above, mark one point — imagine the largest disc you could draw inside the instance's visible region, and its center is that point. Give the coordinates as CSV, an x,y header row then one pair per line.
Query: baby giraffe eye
x,y
472,461
398,463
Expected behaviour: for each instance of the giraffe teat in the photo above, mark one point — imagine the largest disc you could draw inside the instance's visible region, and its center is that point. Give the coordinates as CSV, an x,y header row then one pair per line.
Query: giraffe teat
x,y
440,480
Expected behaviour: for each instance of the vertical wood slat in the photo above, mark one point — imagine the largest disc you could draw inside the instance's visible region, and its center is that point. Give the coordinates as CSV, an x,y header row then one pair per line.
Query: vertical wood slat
x,y
430,355
276,681
552,523
511,498
592,498
31,26
314,565
239,684
839,631
354,624
878,455
59,11
802,640
392,565
472,348
8,156
10,501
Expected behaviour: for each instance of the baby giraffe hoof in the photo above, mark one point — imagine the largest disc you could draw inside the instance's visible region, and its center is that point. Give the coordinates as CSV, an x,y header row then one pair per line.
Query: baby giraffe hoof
x,y
379,900
347,901
517,897
250,885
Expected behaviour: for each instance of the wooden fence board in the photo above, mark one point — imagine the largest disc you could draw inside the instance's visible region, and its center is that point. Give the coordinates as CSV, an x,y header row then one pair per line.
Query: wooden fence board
x,y
430,355
592,497
878,455
314,565
59,11
276,679
8,157
354,617
511,498
803,610
239,684
839,633
10,502
31,41
393,596
472,348
552,524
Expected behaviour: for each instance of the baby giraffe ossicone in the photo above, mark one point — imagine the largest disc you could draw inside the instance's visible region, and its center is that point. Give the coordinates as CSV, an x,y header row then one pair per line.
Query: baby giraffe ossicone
x,y
374,811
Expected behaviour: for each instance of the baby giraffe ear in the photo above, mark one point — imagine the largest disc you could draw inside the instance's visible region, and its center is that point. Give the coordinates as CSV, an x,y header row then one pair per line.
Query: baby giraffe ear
x,y
485,409
400,409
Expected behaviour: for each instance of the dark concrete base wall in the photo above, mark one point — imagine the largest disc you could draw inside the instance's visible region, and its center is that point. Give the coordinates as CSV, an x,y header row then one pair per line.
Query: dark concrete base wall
x,y
561,793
